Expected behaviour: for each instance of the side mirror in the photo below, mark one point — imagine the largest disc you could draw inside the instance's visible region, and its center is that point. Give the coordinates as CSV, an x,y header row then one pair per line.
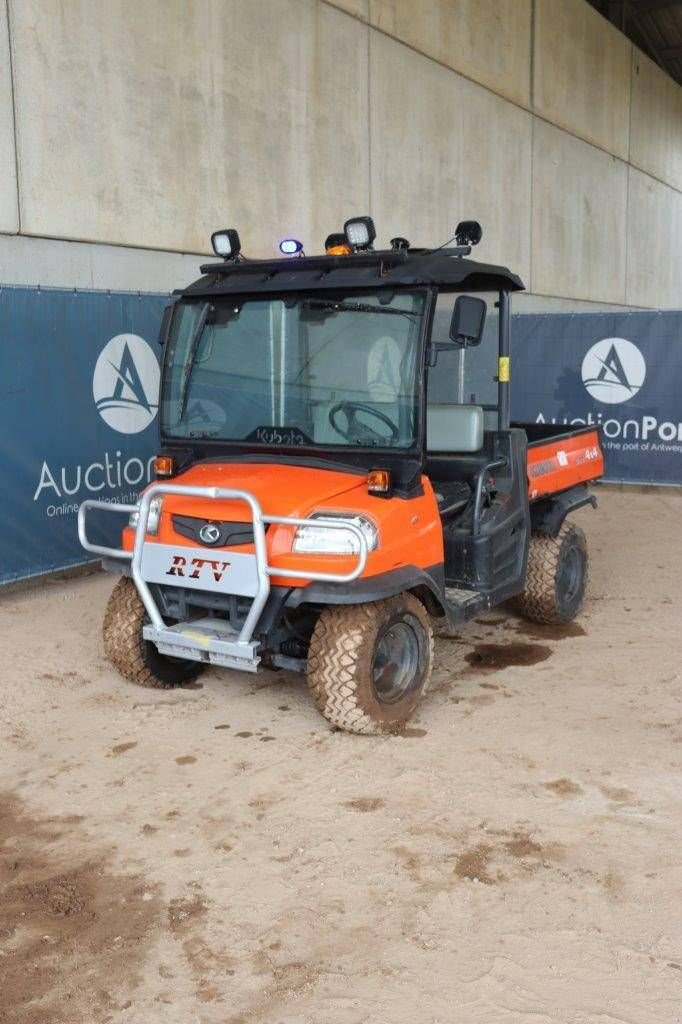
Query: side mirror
x,y
468,320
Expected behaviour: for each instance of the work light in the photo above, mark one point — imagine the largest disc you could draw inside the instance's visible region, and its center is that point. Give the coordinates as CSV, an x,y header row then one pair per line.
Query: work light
x,y
226,243
290,246
360,232
468,232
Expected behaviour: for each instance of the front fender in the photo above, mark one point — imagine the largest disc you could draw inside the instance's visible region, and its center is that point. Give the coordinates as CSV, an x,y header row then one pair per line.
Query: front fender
x,y
429,582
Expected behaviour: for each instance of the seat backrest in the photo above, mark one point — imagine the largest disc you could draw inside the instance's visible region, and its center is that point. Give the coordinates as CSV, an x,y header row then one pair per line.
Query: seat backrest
x,y
454,428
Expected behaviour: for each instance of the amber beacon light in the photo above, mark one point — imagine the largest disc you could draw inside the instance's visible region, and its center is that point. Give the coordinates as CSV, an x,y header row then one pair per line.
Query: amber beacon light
x,y
164,465
379,482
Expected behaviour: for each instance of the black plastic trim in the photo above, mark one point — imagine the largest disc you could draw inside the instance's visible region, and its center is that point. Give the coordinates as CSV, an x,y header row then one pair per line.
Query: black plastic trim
x,y
383,268
373,588
232,533
548,514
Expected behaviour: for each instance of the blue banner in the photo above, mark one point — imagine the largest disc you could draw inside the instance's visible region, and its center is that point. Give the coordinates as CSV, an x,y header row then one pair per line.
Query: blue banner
x,y
79,385
620,370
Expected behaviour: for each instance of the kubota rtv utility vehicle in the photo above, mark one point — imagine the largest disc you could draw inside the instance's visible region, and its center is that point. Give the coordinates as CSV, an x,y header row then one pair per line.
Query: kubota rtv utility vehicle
x,y
337,467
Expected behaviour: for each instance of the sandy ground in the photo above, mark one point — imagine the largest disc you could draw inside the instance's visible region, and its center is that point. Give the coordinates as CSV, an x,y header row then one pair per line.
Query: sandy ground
x,y
218,855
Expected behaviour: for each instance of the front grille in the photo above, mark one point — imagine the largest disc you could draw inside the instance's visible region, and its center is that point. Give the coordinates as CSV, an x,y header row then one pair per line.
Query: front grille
x,y
232,534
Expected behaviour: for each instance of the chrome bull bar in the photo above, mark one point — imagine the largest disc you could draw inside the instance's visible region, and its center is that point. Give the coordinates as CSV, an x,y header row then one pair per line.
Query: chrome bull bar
x,y
219,644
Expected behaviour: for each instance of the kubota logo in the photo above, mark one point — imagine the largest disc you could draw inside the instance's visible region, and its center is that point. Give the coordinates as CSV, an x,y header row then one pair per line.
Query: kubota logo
x,y
125,384
209,533
613,370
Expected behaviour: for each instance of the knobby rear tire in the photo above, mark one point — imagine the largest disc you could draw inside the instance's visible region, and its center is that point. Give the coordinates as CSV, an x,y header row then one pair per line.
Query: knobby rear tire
x,y
134,657
548,597
341,661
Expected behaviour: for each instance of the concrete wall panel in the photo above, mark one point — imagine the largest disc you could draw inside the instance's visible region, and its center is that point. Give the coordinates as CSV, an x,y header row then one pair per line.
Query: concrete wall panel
x,y
358,8
9,215
656,131
206,114
487,40
581,78
579,218
654,244
53,263
447,150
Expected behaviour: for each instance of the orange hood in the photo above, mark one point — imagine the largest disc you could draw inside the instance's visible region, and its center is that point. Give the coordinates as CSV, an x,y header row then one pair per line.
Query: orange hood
x,y
281,490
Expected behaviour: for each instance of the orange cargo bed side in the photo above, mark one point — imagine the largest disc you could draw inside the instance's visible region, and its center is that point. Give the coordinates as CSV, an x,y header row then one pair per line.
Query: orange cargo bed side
x,y
557,463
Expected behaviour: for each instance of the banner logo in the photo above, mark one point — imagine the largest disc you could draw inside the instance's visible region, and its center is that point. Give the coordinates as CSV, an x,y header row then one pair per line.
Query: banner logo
x,y
125,384
613,370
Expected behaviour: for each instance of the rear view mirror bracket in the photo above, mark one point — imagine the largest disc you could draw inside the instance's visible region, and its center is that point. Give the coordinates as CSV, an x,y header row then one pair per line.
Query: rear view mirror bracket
x,y
436,347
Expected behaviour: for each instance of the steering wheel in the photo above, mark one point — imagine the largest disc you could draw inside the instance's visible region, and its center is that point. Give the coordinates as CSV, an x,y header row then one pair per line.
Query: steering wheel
x,y
356,431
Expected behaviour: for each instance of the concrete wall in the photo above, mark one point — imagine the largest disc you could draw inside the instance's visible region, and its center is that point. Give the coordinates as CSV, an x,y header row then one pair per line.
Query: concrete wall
x,y
656,122
9,215
140,125
486,40
581,73
54,263
579,218
479,153
155,122
654,240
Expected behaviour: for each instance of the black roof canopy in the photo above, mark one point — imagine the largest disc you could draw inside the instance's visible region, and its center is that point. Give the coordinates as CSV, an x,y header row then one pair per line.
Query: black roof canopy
x,y
371,270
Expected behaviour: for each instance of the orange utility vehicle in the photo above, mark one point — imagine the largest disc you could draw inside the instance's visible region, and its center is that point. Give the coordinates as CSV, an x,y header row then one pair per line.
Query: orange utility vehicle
x,y
337,468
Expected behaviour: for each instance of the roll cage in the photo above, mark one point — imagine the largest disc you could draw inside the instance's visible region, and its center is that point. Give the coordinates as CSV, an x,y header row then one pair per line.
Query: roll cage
x,y
364,273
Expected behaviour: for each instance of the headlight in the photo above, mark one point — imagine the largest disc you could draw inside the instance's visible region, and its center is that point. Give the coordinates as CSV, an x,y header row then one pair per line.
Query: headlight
x,y
316,540
153,519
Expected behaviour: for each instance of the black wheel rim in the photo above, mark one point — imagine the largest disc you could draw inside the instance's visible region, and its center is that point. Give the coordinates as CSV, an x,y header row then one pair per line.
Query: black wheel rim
x,y
396,666
570,575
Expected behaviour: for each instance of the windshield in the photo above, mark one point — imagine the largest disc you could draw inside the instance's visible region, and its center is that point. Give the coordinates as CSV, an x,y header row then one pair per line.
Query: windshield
x,y
295,371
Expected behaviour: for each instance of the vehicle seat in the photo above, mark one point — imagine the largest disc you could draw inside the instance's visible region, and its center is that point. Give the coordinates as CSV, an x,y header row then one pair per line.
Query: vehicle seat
x,y
454,428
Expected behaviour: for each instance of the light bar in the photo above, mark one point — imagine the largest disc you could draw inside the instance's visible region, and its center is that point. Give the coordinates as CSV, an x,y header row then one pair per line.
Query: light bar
x,y
360,232
226,243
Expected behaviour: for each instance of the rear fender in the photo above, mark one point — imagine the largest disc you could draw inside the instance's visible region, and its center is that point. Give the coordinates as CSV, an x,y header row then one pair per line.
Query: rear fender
x,y
548,514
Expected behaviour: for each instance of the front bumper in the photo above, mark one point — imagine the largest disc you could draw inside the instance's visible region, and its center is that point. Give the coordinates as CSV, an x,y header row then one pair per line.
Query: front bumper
x,y
228,572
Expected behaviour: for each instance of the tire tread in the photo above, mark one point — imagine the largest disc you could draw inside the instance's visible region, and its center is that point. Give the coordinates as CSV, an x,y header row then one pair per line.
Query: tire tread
x,y
122,635
337,647
538,601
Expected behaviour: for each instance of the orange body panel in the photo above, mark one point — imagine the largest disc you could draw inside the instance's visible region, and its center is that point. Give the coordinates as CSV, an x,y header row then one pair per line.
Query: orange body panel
x,y
555,465
410,531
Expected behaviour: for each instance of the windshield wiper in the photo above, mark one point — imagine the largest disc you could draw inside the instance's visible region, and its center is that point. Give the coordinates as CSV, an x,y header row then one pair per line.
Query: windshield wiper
x,y
193,346
353,307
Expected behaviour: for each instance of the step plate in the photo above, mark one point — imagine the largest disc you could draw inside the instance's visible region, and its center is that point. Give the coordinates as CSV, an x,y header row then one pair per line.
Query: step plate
x,y
205,640
464,604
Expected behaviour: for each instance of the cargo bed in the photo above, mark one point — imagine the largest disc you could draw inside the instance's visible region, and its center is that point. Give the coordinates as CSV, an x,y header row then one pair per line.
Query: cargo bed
x,y
559,458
